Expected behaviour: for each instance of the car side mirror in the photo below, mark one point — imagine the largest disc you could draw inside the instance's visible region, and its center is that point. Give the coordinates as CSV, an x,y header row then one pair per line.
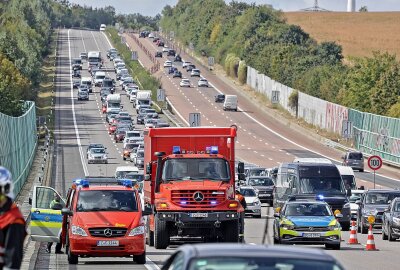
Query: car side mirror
x,y
240,167
66,211
148,168
241,176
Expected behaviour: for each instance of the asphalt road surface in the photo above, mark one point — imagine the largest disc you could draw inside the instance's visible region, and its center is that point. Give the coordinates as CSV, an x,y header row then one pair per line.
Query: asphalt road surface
x,y
261,141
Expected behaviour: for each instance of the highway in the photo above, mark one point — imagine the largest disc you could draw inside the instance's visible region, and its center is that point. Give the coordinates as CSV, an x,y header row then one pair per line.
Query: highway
x,y
262,140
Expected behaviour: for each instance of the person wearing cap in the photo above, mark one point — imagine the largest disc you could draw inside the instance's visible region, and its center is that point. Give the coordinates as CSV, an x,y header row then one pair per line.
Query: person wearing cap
x,y
12,225
55,204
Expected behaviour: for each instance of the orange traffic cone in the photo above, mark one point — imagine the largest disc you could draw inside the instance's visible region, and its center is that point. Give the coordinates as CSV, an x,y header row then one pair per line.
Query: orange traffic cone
x,y
370,241
353,234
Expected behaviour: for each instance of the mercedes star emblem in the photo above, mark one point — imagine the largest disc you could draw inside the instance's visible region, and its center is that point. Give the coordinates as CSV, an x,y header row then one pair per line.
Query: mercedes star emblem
x,y
108,232
198,196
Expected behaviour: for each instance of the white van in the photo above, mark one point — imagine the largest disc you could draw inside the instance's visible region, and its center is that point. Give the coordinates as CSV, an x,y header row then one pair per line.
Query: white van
x,y
121,171
87,81
230,103
102,27
348,176
99,77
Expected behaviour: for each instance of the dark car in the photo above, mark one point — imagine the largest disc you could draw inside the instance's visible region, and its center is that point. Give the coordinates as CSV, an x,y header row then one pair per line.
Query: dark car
x,y
265,186
144,34
178,58
156,39
219,98
119,134
158,54
161,44
171,70
177,74
76,63
391,221
171,53
355,160
109,84
76,73
246,256
190,67
374,203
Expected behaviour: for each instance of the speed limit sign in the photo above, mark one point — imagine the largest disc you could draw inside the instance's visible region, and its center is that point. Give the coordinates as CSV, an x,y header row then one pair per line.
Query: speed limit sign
x,y
374,162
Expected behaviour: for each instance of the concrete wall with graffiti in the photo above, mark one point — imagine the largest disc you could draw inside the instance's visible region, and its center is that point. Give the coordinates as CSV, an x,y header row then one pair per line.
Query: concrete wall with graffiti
x,y
373,134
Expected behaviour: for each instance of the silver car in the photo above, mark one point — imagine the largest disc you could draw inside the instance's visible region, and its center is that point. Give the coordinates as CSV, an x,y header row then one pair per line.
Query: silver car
x,y
83,95
97,155
138,158
253,203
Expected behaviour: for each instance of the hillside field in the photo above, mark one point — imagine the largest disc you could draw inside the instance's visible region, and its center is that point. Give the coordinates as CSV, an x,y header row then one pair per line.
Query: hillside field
x,y
359,33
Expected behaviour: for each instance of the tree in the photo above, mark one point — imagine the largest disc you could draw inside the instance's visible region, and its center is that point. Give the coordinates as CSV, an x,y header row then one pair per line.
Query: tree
x,y
12,88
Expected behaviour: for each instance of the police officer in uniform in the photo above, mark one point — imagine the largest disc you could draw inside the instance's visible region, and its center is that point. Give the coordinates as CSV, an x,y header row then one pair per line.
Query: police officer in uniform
x,y
12,225
55,204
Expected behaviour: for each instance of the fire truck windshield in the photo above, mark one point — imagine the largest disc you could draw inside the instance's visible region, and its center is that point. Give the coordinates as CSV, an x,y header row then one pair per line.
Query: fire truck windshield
x,y
106,200
196,169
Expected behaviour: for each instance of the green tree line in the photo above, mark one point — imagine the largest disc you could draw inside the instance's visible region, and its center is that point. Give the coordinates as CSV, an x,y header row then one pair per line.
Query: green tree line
x,y
239,34
25,31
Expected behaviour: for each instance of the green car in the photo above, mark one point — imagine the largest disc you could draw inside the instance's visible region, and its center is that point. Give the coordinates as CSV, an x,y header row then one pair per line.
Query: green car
x,y
307,222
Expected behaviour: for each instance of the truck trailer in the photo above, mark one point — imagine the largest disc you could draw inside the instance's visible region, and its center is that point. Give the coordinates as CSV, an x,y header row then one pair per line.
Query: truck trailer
x,y
190,185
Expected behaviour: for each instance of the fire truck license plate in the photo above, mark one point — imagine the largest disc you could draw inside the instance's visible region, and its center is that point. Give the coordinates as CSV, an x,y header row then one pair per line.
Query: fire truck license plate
x,y
198,214
311,235
108,243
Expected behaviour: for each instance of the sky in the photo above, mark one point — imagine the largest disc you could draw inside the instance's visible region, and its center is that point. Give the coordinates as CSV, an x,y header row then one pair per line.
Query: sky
x,y
152,7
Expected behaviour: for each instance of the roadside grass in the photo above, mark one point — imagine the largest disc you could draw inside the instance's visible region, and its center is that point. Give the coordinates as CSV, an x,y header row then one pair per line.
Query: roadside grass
x,y
144,79
46,90
359,33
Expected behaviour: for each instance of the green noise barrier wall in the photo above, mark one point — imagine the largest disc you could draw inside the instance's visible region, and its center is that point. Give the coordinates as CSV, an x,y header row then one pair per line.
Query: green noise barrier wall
x,y
18,139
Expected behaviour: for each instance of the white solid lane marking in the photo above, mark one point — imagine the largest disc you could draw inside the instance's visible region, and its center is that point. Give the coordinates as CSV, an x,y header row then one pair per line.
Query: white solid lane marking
x,y
78,139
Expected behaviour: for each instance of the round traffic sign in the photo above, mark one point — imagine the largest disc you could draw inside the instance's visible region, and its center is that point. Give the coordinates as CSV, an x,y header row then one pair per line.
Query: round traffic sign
x,y
371,219
374,162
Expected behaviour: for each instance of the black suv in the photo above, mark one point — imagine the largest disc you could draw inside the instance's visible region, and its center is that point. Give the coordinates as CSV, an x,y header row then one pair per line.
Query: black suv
x,y
158,54
374,203
178,58
219,98
171,53
391,221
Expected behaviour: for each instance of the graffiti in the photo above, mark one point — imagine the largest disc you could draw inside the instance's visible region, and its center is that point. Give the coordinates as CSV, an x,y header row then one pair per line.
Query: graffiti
x,y
382,140
335,114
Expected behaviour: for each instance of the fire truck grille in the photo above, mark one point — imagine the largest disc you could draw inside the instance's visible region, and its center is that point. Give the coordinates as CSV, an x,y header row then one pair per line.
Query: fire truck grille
x,y
198,198
107,232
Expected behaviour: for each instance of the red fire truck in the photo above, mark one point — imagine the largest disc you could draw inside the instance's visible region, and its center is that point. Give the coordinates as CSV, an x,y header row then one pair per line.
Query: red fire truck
x,y
190,185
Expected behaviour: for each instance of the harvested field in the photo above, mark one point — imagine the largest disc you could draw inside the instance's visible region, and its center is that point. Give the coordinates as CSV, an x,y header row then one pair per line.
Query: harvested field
x,y
359,33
